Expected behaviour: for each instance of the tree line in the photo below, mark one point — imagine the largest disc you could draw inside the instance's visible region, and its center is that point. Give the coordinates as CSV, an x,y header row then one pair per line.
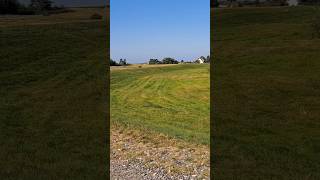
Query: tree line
x,y
216,3
169,60
122,62
166,60
34,7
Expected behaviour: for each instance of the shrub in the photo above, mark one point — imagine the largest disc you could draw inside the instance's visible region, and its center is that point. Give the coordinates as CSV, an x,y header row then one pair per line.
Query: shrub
x,y
96,16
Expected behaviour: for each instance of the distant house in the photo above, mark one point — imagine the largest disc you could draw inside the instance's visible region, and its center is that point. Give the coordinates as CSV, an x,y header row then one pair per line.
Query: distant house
x,y
200,60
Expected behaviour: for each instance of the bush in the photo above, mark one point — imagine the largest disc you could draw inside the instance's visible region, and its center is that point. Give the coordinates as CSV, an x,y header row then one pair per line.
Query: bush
x,y
96,16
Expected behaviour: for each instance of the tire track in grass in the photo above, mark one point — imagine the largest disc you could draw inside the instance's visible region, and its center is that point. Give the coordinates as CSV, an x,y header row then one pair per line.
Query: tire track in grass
x,y
171,97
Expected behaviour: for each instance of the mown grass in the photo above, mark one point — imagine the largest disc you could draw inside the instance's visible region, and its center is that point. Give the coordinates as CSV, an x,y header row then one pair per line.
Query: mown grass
x,y
172,100
53,105
266,94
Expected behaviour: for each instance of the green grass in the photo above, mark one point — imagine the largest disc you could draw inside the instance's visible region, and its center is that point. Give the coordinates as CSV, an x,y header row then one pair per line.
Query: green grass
x,y
173,100
53,105
266,94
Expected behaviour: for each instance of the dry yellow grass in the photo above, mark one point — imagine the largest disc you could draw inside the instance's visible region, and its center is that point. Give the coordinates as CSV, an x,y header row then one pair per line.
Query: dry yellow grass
x,y
156,150
135,66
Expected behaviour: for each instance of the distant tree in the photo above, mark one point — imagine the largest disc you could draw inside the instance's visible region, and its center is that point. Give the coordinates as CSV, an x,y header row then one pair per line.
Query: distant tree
x,y
207,60
169,60
154,61
309,2
41,5
123,62
182,61
257,2
113,63
9,6
202,57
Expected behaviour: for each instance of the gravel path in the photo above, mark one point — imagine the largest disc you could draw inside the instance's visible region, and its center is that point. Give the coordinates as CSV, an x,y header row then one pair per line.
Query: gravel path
x,y
138,156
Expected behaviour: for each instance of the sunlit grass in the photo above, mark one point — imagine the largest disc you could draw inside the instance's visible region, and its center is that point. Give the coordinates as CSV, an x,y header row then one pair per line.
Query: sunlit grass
x,y
266,93
173,100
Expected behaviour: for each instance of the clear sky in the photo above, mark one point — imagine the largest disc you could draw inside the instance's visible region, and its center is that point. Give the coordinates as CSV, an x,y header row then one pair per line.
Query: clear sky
x,y
144,29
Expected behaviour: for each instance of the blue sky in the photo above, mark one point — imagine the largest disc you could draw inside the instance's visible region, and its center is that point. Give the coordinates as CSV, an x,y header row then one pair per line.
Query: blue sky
x,y
144,29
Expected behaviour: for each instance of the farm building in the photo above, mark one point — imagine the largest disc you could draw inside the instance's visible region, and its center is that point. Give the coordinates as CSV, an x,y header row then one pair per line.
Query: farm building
x,y
200,60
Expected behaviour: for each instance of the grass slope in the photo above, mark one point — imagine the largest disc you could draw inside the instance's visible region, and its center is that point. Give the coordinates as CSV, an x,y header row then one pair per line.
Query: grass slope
x,y
172,100
53,100
266,94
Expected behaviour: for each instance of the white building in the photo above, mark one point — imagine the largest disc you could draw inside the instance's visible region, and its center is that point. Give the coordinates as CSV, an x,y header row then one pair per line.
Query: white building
x,y
200,60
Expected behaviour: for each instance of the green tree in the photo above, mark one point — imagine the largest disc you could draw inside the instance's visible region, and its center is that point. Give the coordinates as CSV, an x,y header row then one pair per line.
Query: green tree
x,y
154,61
169,60
113,63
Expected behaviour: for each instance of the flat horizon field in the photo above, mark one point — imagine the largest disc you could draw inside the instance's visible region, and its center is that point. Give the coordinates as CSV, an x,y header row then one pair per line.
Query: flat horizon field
x,y
171,100
266,93
53,105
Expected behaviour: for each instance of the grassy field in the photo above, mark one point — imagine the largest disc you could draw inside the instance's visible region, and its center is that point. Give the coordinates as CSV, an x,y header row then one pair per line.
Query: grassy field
x,y
53,105
266,94
172,100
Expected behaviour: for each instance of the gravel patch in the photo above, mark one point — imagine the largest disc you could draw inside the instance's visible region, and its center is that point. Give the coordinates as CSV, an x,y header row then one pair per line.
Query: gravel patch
x,y
135,155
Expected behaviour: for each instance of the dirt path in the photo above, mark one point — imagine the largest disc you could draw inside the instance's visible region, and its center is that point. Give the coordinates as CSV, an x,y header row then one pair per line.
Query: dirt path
x,y
147,156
